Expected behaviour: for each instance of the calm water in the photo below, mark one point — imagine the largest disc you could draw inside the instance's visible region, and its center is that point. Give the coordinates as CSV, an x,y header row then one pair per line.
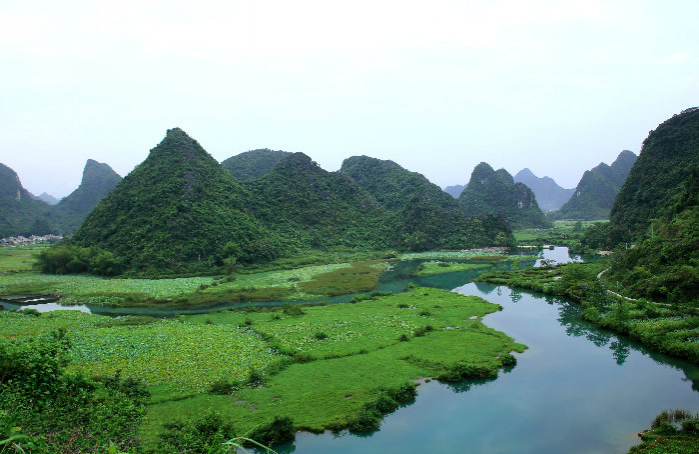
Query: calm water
x,y
576,390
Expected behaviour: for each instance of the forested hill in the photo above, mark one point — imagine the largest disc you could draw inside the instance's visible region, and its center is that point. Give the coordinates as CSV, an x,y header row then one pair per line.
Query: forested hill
x,y
175,212
495,192
669,155
20,213
549,195
422,216
98,180
392,185
254,164
311,207
594,196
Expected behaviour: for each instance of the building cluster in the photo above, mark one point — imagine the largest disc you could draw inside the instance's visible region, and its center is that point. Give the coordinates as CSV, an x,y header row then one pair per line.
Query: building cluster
x,y
34,239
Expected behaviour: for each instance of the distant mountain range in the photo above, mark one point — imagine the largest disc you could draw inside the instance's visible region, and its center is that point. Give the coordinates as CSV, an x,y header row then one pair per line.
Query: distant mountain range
x,y
594,196
455,190
48,198
180,212
26,214
549,195
495,192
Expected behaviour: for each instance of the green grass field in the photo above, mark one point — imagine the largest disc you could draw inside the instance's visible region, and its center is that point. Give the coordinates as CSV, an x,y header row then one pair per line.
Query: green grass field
x,y
563,233
321,365
438,267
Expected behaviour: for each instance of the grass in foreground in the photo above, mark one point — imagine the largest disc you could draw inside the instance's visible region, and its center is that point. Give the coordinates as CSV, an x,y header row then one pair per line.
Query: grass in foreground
x,y
321,366
675,431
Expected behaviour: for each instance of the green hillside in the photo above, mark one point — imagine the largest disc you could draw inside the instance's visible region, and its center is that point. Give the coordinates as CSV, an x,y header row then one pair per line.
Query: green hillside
x,y
254,164
594,196
98,180
176,213
422,215
495,192
311,207
20,213
667,158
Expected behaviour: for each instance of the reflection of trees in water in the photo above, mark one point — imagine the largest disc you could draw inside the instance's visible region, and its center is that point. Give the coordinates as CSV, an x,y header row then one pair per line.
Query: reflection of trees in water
x,y
485,287
620,351
515,295
463,386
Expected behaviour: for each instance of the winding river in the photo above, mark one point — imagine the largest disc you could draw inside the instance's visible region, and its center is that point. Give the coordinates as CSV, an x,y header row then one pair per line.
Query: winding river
x,y
578,389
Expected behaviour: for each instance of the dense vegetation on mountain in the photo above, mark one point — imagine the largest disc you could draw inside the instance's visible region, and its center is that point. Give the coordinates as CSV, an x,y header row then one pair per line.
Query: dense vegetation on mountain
x,y
421,214
549,195
98,180
667,158
495,192
254,164
664,265
20,214
179,211
311,207
392,185
455,190
594,196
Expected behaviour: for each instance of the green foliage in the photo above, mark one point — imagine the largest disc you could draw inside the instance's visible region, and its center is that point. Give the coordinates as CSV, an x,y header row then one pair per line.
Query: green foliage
x,y
64,259
667,158
279,430
204,435
58,411
594,196
174,212
98,180
254,164
675,431
495,192
20,213
664,265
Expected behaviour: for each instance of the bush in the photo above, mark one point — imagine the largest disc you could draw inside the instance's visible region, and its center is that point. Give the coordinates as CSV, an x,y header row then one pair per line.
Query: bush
x,y
205,435
281,429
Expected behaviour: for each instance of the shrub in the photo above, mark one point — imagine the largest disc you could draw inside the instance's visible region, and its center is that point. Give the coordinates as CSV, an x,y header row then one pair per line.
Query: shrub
x,y
279,430
320,335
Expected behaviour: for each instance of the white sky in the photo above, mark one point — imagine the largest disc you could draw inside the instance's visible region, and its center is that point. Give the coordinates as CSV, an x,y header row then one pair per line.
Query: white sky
x,y
437,86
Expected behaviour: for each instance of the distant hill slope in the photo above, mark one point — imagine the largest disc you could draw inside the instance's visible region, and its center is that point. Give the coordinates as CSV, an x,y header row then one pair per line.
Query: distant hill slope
x,y
594,196
495,192
455,190
311,207
98,180
549,195
20,214
669,155
45,197
392,185
422,215
254,164
175,213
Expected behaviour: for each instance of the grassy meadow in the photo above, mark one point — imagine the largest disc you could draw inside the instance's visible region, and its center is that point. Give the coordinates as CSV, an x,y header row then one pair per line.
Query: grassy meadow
x,y
563,233
319,365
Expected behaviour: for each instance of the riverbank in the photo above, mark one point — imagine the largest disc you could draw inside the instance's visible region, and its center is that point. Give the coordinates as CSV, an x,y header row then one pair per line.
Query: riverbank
x,y
669,329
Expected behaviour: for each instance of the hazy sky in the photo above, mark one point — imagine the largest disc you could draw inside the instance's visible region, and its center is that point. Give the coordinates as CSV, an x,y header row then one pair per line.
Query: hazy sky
x,y
437,86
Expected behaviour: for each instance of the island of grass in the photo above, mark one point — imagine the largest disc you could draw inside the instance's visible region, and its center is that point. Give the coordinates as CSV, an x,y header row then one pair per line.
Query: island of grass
x,y
438,267
325,367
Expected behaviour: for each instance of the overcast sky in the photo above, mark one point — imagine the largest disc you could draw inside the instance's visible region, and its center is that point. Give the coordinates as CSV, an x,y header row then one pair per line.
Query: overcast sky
x,y
437,86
